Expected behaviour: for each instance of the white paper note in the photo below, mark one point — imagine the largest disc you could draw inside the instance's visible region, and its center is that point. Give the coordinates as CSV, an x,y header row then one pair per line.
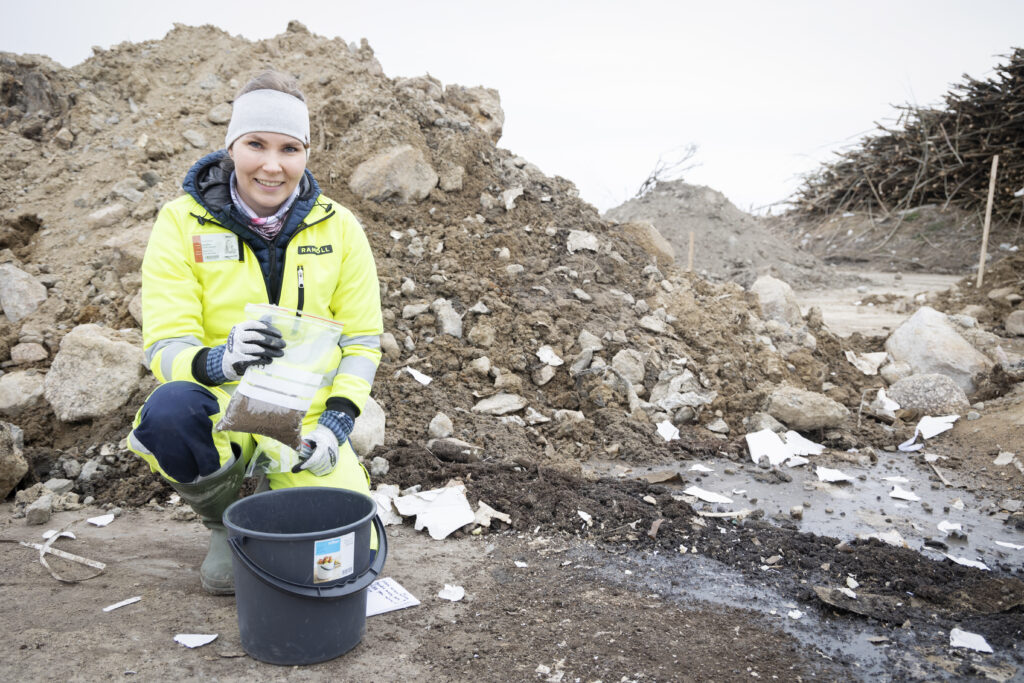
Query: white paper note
x,y
387,595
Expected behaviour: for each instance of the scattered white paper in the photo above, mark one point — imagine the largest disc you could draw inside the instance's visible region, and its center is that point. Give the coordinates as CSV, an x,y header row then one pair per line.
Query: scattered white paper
x,y
847,591
1014,546
697,467
896,480
797,461
945,526
441,511
707,496
868,363
851,582
903,494
521,565
797,444
387,595
63,534
453,593
795,614
971,641
418,376
102,520
928,427
827,474
968,563
485,513
931,457
384,495
767,443
194,639
586,517
547,355
1004,458
668,431
129,601
883,405
892,537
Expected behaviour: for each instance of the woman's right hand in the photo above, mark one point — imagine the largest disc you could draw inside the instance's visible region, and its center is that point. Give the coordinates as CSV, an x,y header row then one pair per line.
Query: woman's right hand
x,y
252,342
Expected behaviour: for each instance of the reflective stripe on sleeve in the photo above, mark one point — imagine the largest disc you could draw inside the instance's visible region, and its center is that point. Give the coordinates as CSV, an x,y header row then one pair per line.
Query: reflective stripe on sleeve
x,y
370,341
358,366
171,348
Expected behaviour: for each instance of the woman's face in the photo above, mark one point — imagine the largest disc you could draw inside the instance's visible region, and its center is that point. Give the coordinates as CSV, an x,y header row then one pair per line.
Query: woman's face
x,y
268,167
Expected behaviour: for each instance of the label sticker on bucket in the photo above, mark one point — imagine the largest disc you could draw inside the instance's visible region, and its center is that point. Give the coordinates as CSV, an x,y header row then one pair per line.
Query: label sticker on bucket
x,y
333,558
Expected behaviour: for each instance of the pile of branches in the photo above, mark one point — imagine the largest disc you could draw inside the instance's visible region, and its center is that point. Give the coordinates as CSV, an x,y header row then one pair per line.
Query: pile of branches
x,y
933,156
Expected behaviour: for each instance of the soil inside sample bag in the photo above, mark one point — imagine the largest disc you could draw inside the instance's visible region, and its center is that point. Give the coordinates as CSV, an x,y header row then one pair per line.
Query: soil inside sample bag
x,y
272,400
254,416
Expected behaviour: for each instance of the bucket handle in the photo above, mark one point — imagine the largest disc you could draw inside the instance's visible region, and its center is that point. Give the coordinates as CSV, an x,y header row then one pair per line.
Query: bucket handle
x,y
349,587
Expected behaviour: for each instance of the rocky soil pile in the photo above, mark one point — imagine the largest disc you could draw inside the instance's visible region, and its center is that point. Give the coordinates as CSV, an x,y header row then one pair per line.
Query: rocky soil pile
x,y
728,244
548,334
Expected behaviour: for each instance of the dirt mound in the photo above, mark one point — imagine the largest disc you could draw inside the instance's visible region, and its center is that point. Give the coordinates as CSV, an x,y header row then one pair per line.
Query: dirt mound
x,y
728,243
515,253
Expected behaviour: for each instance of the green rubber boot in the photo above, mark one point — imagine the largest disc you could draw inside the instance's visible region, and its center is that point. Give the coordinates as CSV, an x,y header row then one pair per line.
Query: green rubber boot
x,y
209,496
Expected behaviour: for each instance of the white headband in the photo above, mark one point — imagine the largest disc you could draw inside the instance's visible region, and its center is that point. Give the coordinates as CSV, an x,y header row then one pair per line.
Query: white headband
x,y
268,111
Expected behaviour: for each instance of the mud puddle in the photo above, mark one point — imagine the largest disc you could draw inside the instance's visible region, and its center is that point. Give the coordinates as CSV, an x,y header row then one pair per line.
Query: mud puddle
x,y
972,521
695,582
845,310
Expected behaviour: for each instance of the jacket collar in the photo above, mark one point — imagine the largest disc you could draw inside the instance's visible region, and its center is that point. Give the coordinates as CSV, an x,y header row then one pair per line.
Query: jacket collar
x,y
207,183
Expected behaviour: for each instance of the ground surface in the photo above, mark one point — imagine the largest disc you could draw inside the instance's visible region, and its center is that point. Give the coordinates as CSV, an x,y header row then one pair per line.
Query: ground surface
x,y
600,602
626,597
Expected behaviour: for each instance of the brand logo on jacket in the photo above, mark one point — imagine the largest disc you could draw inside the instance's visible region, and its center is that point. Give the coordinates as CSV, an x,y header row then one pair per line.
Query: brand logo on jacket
x,y
316,251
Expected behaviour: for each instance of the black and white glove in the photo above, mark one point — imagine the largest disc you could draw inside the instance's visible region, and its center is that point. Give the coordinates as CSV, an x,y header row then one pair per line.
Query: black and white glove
x,y
319,452
252,342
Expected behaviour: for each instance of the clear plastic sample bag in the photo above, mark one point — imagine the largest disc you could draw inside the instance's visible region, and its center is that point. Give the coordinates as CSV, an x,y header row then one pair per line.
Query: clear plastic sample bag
x,y
272,400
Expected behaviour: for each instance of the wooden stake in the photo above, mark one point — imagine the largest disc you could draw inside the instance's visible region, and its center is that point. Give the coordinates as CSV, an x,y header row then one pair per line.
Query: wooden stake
x,y
988,220
689,258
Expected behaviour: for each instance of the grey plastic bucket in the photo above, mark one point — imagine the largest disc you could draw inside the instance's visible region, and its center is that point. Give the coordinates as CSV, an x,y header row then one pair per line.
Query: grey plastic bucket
x,y
289,611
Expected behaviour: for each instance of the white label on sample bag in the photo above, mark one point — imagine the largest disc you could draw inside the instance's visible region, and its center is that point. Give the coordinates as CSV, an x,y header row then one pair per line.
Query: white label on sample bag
x,y
274,398
333,558
219,247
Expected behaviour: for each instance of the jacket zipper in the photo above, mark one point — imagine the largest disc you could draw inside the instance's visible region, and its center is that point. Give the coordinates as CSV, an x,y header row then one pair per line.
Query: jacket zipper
x,y
302,290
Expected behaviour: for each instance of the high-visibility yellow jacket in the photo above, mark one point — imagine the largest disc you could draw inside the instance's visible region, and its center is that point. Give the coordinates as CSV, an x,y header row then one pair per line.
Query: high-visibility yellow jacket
x,y
202,266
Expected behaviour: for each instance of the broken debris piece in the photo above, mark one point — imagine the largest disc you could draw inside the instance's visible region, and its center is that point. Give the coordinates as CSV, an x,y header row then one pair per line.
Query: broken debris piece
x,y
832,476
966,639
102,520
195,639
928,427
452,593
706,496
903,494
441,511
123,603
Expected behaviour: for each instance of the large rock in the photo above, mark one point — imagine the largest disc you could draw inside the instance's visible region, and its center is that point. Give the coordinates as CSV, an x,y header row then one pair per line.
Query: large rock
x,y
647,237
805,410
500,404
930,344
1014,323
400,172
369,430
482,105
20,293
19,390
930,394
448,320
630,364
778,302
94,373
12,463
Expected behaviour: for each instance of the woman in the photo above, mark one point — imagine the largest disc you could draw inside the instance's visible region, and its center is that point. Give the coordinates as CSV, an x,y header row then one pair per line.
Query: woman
x,y
252,227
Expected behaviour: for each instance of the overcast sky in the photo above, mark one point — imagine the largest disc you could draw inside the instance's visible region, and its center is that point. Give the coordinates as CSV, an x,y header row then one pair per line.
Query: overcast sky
x,y
596,91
